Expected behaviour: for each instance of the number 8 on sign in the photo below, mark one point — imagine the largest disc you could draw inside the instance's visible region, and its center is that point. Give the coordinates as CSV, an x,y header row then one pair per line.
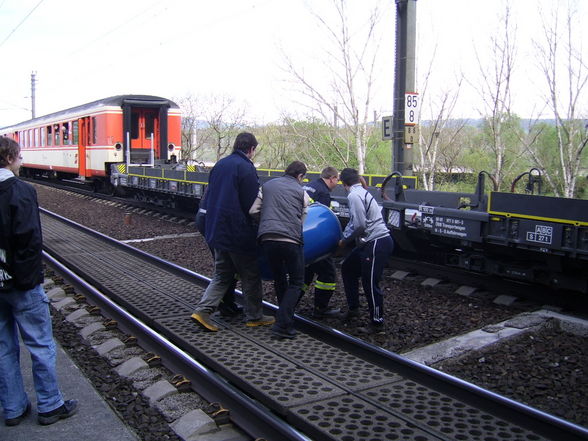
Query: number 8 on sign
x,y
411,109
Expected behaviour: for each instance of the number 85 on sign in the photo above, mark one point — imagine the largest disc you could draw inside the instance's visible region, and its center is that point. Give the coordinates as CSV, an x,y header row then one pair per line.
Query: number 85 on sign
x,y
411,108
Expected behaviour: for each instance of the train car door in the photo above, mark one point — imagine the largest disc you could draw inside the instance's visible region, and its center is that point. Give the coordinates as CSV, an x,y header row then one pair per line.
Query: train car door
x,y
144,134
82,136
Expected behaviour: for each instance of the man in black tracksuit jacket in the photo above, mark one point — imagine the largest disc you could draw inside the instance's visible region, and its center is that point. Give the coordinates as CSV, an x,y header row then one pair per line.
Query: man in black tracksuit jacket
x,y
319,190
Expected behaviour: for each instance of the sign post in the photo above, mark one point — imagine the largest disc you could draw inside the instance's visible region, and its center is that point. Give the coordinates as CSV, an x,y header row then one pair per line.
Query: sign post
x,y
404,81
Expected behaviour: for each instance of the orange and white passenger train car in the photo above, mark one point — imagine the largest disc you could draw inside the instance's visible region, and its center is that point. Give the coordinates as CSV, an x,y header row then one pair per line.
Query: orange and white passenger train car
x,y
86,140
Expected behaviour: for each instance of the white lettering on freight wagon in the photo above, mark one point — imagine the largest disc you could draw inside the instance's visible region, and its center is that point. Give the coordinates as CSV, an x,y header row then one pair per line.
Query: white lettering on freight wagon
x,y
542,234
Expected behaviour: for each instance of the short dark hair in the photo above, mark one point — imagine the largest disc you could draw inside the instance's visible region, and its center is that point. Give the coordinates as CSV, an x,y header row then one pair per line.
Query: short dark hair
x,y
244,142
296,168
9,150
329,172
349,176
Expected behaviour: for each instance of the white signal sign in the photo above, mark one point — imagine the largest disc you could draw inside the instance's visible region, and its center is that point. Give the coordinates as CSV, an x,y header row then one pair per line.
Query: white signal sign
x,y
387,127
411,108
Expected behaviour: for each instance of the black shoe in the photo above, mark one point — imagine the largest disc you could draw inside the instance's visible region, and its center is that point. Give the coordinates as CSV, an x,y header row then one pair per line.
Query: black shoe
x,y
263,321
372,329
281,333
350,314
16,421
68,408
326,312
232,310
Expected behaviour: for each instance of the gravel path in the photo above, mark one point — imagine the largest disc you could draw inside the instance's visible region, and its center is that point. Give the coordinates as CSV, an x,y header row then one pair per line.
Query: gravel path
x,y
546,370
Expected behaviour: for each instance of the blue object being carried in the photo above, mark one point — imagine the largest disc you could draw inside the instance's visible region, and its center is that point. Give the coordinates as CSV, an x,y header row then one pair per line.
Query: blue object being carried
x,y
321,233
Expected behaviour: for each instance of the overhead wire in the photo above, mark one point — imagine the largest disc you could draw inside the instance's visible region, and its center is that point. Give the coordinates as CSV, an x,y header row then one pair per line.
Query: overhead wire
x,y
77,77
115,28
72,79
20,24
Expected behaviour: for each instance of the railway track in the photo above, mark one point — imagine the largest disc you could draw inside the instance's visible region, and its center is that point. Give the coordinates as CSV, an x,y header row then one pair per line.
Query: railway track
x,y
327,385
533,293
184,208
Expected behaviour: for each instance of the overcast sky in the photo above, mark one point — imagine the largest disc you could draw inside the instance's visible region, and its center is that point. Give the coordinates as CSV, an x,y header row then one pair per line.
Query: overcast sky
x,y
86,50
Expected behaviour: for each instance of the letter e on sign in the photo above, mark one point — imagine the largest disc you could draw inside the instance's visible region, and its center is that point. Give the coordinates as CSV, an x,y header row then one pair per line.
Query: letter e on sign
x,y
411,108
386,128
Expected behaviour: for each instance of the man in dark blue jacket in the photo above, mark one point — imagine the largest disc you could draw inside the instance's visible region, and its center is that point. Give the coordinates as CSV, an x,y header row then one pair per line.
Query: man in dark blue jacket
x,y
23,302
233,185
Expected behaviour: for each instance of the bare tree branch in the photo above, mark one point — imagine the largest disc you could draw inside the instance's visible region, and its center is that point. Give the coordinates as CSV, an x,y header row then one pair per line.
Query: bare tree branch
x,y
558,52
351,67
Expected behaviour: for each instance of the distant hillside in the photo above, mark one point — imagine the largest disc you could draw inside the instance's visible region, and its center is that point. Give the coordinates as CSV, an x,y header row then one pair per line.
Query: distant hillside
x,y
477,122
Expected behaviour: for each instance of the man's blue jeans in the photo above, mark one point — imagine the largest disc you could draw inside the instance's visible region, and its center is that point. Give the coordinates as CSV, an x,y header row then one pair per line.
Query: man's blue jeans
x,y
29,312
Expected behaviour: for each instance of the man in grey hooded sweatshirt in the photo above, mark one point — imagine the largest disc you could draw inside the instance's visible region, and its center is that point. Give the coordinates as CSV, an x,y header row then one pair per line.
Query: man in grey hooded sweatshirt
x,y
373,248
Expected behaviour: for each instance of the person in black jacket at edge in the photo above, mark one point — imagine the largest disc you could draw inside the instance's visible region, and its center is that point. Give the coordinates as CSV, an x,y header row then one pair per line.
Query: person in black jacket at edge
x,y
23,302
319,190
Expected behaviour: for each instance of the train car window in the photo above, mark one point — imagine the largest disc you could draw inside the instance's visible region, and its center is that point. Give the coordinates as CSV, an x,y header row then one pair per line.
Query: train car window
x,y
88,131
94,130
49,136
57,133
66,139
37,144
149,125
75,132
134,125
43,136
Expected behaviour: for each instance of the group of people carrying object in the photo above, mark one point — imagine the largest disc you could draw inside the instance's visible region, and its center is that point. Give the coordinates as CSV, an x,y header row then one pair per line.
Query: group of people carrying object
x,y
238,219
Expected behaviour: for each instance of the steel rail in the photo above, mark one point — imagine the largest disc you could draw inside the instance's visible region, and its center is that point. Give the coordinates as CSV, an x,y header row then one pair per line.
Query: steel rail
x,y
248,414
84,189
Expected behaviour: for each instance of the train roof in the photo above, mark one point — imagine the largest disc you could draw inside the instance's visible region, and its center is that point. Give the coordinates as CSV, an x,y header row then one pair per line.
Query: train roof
x,y
116,100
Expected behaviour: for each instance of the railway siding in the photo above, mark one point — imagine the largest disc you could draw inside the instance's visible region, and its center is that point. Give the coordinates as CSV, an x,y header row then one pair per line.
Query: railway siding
x,y
321,389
